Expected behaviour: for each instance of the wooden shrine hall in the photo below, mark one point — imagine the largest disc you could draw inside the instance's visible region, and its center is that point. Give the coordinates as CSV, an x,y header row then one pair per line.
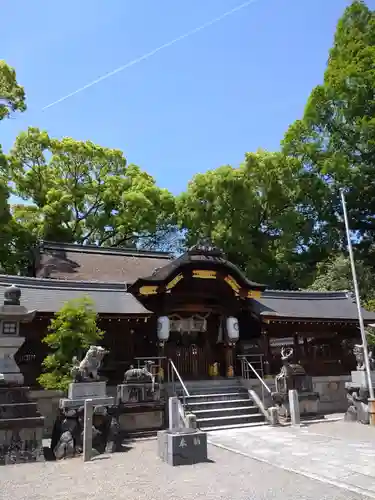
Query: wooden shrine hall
x,y
198,310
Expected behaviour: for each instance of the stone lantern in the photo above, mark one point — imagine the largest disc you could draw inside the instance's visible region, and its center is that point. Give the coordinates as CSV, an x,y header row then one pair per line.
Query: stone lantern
x,y
11,315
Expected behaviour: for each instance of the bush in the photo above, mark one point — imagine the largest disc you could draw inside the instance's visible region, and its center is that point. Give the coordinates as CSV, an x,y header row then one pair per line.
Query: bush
x,y
71,332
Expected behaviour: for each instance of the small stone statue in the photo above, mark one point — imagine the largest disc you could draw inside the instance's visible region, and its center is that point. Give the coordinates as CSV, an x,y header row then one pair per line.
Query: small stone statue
x,y
358,352
140,374
87,369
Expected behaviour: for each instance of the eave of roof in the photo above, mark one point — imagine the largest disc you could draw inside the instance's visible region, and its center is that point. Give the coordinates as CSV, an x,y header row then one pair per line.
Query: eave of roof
x,y
309,305
49,295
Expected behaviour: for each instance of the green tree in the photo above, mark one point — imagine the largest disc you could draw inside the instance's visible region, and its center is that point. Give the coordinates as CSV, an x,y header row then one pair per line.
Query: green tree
x,y
13,239
335,139
85,193
336,274
261,214
12,95
72,330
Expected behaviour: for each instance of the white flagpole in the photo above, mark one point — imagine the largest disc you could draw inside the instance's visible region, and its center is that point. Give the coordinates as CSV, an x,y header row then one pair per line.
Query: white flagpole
x,y
357,298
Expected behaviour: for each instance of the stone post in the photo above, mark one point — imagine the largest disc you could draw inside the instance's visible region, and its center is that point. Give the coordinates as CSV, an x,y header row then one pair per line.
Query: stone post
x,y
294,408
87,430
173,413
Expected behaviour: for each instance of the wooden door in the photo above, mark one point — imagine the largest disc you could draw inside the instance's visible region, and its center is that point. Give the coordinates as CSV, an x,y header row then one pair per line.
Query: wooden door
x,y
191,361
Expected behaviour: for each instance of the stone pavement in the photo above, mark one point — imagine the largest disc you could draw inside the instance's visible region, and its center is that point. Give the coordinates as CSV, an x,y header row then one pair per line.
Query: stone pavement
x,y
338,453
138,474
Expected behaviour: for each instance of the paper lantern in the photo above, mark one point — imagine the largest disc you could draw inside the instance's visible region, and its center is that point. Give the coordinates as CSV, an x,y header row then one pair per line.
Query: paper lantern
x,y
163,328
233,329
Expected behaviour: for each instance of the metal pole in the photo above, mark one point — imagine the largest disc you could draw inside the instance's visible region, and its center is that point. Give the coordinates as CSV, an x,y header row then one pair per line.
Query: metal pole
x,y
357,298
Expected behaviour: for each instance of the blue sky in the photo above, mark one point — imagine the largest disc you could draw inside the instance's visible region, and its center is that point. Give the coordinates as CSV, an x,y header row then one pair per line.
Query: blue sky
x,y
205,101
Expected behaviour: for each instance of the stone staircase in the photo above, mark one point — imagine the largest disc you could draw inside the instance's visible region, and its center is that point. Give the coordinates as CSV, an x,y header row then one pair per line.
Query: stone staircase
x,y
221,404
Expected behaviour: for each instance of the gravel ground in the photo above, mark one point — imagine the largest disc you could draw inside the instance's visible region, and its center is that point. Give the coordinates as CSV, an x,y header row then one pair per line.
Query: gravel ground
x,y
139,474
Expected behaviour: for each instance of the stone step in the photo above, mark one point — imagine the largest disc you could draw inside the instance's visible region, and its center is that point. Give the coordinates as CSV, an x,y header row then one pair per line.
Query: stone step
x,y
234,426
227,383
248,418
21,423
18,410
10,395
226,412
213,390
212,405
223,396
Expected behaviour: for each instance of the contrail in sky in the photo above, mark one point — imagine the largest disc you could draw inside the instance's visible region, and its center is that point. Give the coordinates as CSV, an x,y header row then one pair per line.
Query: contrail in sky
x,y
152,53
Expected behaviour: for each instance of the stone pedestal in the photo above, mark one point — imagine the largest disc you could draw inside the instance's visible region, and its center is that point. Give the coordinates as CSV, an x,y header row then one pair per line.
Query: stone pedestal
x,y
67,435
358,397
21,427
359,378
182,447
78,392
9,345
308,403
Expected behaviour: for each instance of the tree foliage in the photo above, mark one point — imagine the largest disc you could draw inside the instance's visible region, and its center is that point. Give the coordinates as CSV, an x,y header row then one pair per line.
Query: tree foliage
x,y
12,95
277,216
13,251
85,193
335,139
262,214
71,332
335,274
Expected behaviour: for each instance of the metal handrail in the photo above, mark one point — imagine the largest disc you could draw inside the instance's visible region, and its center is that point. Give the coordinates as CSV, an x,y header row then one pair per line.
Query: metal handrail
x,y
185,391
257,374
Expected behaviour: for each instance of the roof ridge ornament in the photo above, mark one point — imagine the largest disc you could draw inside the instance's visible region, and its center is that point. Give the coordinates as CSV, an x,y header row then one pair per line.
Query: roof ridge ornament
x,y
205,246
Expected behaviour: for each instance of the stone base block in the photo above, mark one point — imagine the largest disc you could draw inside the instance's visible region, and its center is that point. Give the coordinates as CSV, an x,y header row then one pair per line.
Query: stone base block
x,y
87,390
13,378
359,378
184,447
308,406
141,421
66,403
21,446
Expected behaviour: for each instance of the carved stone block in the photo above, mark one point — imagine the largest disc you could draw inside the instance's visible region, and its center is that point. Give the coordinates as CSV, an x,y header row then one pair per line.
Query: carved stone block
x,y
85,390
137,393
184,447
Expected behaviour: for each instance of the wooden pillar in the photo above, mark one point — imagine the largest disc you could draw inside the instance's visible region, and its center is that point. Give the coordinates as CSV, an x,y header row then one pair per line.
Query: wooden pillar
x,y
266,352
163,368
229,360
305,347
296,348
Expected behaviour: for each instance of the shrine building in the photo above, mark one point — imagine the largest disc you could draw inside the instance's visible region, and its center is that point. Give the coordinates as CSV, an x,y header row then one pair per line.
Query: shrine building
x,y
198,310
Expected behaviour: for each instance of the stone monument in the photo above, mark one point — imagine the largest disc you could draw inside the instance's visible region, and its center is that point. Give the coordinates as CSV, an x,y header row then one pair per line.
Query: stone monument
x,y
293,377
182,443
68,431
357,390
21,425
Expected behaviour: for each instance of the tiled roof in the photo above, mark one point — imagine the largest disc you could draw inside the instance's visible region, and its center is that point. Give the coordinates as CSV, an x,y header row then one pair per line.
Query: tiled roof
x,y
318,305
92,263
49,295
